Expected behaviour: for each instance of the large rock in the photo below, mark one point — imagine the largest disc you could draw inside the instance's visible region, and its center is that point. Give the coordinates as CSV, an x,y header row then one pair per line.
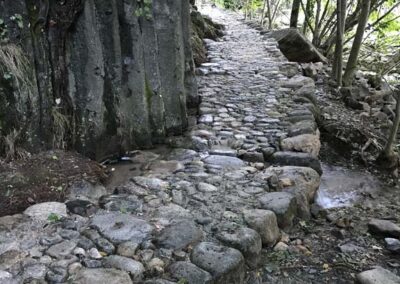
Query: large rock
x,y
135,268
297,159
226,162
62,250
180,235
86,191
190,272
125,77
121,202
225,264
283,204
265,223
378,275
384,228
90,276
42,211
119,228
246,240
296,47
307,143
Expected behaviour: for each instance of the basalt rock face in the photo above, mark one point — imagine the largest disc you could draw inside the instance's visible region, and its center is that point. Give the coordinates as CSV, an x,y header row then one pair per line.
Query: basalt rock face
x,y
104,76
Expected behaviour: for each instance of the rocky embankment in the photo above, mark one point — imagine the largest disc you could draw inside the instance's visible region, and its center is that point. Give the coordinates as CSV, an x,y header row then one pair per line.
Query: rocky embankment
x,y
223,206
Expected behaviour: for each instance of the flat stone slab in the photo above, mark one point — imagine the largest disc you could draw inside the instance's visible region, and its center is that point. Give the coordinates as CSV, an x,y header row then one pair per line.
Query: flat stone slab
x,y
286,158
225,264
378,275
42,211
225,162
119,228
100,275
384,228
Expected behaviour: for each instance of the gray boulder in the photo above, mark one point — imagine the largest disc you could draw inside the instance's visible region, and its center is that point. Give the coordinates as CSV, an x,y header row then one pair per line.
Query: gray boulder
x,y
384,228
283,204
265,223
179,235
296,47
225,264
135,268
246,240
190,272
378,275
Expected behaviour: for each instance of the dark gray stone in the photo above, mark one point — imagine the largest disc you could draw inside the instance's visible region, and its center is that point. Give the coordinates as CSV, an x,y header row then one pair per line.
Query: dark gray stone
x,y
225,264
296,47
119,228
246,240
384,228
121,202
283,204
62,250
57,275
135,268
297,159
80,207
179,235
193,274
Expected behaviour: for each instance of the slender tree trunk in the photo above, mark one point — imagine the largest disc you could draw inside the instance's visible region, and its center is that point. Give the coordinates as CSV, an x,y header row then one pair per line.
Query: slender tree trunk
x,y
269,14
246,9
294,17
307,15
388,157
316,38
338,61
355,49
263,13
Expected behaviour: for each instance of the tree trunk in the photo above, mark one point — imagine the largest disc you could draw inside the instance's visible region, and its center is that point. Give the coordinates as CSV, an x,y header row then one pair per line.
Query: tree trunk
x,y
307,15
355,49
294,17
388,158
316,38
263,13
338,61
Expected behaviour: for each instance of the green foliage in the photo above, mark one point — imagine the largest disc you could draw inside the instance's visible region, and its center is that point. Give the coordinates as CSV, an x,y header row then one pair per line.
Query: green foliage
x,y
183,281
17,18
53,218
144,9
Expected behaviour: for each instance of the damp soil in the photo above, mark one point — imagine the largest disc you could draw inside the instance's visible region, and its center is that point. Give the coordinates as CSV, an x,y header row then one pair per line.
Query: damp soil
x,y
43,177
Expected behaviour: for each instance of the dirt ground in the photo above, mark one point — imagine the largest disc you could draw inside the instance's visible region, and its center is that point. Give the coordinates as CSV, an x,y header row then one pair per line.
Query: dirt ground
x,y
42,177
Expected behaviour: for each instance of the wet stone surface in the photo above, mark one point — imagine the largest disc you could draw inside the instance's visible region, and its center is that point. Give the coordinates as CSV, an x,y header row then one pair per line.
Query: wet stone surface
x,y
202,211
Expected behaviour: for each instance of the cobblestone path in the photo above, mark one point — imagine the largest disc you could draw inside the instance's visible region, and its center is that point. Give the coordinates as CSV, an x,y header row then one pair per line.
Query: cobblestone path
x,y
203,212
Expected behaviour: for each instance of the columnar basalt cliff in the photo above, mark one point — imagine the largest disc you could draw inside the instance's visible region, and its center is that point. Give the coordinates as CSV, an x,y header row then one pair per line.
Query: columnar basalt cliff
x,y
99,76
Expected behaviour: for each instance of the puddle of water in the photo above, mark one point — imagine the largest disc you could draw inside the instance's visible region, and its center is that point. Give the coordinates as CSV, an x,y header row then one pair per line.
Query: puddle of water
x,y
343,187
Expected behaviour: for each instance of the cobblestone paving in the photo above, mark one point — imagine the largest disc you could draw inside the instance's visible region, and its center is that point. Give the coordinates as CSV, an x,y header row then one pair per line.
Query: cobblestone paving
x,y
202,212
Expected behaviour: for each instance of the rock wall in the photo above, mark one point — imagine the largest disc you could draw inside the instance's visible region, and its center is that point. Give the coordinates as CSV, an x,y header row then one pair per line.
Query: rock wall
x,y
104,75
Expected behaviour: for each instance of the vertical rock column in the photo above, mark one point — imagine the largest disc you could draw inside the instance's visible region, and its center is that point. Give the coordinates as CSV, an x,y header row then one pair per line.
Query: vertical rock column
x,y
171,60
